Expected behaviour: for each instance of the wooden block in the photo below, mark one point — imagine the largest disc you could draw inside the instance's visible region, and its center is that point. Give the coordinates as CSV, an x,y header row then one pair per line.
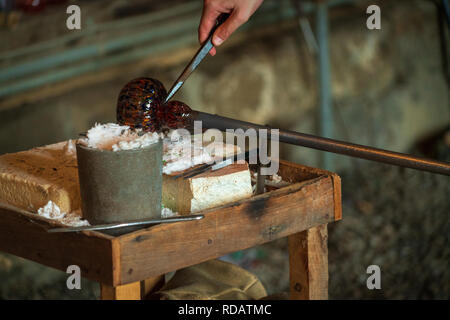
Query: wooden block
x,y
308,264
296,173
29,179
150,285
207,190
130,291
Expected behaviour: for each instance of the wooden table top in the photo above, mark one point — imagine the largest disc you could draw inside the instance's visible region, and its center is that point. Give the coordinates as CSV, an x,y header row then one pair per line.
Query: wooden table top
x,y
313,198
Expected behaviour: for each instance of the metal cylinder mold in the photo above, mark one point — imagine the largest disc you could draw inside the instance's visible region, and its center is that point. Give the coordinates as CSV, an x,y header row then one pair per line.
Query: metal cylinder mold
x,y
119,186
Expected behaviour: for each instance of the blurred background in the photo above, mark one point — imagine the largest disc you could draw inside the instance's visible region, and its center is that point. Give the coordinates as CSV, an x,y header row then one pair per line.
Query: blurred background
x,y
313,68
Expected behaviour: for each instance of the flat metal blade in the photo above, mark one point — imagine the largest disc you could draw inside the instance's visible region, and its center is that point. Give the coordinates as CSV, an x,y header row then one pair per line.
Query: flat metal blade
x,y
193,64
198,57
127,224
219,165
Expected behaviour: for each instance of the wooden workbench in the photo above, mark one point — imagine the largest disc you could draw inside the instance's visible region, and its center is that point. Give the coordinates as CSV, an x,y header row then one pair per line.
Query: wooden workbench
x,y
132,265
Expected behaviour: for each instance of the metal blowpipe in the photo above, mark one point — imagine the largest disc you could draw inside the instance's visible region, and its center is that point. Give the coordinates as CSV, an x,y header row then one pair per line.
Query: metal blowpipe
x,y
326,144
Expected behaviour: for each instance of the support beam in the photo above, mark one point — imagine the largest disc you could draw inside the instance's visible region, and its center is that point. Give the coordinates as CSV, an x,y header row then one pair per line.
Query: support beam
x,y
131,291
150,285
308,264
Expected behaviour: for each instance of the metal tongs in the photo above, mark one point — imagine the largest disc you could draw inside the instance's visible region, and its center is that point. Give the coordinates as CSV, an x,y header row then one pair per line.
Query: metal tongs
x,y
118,225
199,56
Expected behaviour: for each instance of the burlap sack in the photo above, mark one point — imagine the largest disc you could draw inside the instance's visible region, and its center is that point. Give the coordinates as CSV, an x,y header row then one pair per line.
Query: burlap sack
x,y
213,280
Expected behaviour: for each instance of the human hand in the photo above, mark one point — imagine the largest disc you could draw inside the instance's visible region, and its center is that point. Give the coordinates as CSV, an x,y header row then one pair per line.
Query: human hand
x,y
240,11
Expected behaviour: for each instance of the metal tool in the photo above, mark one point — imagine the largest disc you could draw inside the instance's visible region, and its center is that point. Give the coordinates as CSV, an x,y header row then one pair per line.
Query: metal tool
x,y
127,224
216,166
325,144
120,185
212,167
198,57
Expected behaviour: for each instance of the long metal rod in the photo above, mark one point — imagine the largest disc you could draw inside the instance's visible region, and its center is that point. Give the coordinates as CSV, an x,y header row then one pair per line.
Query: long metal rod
x,y
329,145
118,225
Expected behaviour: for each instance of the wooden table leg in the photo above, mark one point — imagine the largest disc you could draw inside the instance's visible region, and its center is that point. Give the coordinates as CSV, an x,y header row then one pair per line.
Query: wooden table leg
x,y
151,285
308,264
130,291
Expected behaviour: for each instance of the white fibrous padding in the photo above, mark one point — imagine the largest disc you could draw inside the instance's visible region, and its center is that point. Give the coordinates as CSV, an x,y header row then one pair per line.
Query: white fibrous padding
x,y
112,136
69,148
276,178
137,143
167,213
53,212
180,153
104,136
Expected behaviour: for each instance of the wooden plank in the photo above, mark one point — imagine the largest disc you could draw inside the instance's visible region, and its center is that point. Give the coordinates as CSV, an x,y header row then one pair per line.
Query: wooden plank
x,y
337,197
163,248
25,236
150,285
131,291
293,172
308,264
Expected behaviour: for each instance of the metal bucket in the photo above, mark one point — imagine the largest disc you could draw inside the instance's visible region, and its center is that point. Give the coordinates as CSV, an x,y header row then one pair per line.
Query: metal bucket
x,y
118,186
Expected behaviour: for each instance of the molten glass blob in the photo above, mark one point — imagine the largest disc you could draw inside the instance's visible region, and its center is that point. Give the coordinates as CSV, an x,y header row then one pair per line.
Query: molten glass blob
x,y
177,114
141,106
